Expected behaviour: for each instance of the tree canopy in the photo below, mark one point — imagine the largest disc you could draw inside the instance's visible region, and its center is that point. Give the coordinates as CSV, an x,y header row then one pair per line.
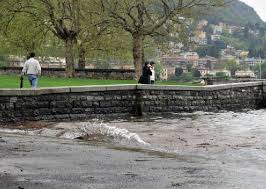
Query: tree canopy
x,y
83,28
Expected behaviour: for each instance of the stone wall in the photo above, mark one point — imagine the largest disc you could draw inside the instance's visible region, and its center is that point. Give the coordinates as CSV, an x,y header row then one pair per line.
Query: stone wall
x,y
232,97
73,103
84,73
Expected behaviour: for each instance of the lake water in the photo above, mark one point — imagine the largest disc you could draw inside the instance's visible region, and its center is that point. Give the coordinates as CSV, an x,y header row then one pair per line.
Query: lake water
x,y
223,147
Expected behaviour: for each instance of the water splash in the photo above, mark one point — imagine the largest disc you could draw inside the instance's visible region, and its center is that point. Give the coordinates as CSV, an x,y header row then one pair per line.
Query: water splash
x,y
102,131
91,131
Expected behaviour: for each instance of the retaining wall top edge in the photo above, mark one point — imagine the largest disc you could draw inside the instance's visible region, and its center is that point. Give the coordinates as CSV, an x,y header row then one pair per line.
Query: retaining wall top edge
x,y
121,87
53,90
234,85
199,88
247,84
264,82
99,88
125,87
19,92
168,87
33,92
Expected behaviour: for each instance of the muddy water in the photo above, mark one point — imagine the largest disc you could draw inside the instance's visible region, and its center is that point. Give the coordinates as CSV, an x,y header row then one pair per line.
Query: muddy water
x,y
200,132
225,147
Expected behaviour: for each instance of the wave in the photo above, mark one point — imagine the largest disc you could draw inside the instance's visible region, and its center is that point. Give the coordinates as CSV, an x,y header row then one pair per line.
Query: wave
x,y
91,131
102,131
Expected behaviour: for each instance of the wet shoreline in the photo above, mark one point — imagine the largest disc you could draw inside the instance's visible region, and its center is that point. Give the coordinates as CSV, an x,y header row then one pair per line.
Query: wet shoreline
x,y
199,150
194,132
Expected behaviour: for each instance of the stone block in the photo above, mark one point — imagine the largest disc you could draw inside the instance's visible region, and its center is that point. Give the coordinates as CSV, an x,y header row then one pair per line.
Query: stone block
x,y
42,104
85,104
62,117
89,110
77,110
45,111
60,104
56,111
76,104
2,107
90,98
98,98
105,103
60,97
117,103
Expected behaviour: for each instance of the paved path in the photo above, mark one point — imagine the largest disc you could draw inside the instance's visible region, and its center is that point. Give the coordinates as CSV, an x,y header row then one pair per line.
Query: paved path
x,y
29,162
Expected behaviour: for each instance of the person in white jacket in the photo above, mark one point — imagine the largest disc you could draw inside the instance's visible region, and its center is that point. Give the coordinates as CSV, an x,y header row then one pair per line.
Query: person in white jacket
x,y
32,68
153,72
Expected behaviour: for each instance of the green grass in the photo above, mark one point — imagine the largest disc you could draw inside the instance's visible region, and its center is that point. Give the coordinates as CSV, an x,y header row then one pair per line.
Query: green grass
x,y
12,81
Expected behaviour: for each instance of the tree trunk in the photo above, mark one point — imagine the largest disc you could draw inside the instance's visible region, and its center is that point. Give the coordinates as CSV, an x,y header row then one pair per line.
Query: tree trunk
x,y
69,55
82,58
138,54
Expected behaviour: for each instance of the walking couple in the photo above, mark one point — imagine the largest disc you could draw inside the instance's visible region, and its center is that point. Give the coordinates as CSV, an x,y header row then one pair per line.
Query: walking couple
x,y
148,73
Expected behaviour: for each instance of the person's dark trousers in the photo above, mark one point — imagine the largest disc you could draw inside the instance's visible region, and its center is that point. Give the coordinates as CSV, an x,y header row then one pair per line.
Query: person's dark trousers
x,y
152,82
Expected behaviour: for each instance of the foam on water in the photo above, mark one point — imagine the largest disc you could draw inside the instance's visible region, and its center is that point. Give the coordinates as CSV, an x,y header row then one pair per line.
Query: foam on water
x,y
117,135
95,130
20,131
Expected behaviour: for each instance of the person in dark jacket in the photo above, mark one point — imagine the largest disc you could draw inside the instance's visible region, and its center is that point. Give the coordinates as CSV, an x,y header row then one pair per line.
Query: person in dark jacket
x,y
146,74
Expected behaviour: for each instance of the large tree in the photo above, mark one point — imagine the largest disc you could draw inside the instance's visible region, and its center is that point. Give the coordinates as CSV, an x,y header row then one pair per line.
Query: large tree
x,y
15,37
114,45
78,23
143,18
94,29
61,17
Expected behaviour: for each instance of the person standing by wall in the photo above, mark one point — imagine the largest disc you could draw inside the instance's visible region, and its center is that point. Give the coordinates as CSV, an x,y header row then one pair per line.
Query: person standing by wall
x,y
32,68
153,72
146,74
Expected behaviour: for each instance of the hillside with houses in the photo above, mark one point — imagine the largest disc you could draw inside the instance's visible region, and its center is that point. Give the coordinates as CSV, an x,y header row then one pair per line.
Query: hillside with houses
x,y
220,46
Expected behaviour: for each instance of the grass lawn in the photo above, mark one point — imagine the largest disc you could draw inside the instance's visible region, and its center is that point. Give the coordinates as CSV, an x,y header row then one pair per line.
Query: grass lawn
x,y
12,81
